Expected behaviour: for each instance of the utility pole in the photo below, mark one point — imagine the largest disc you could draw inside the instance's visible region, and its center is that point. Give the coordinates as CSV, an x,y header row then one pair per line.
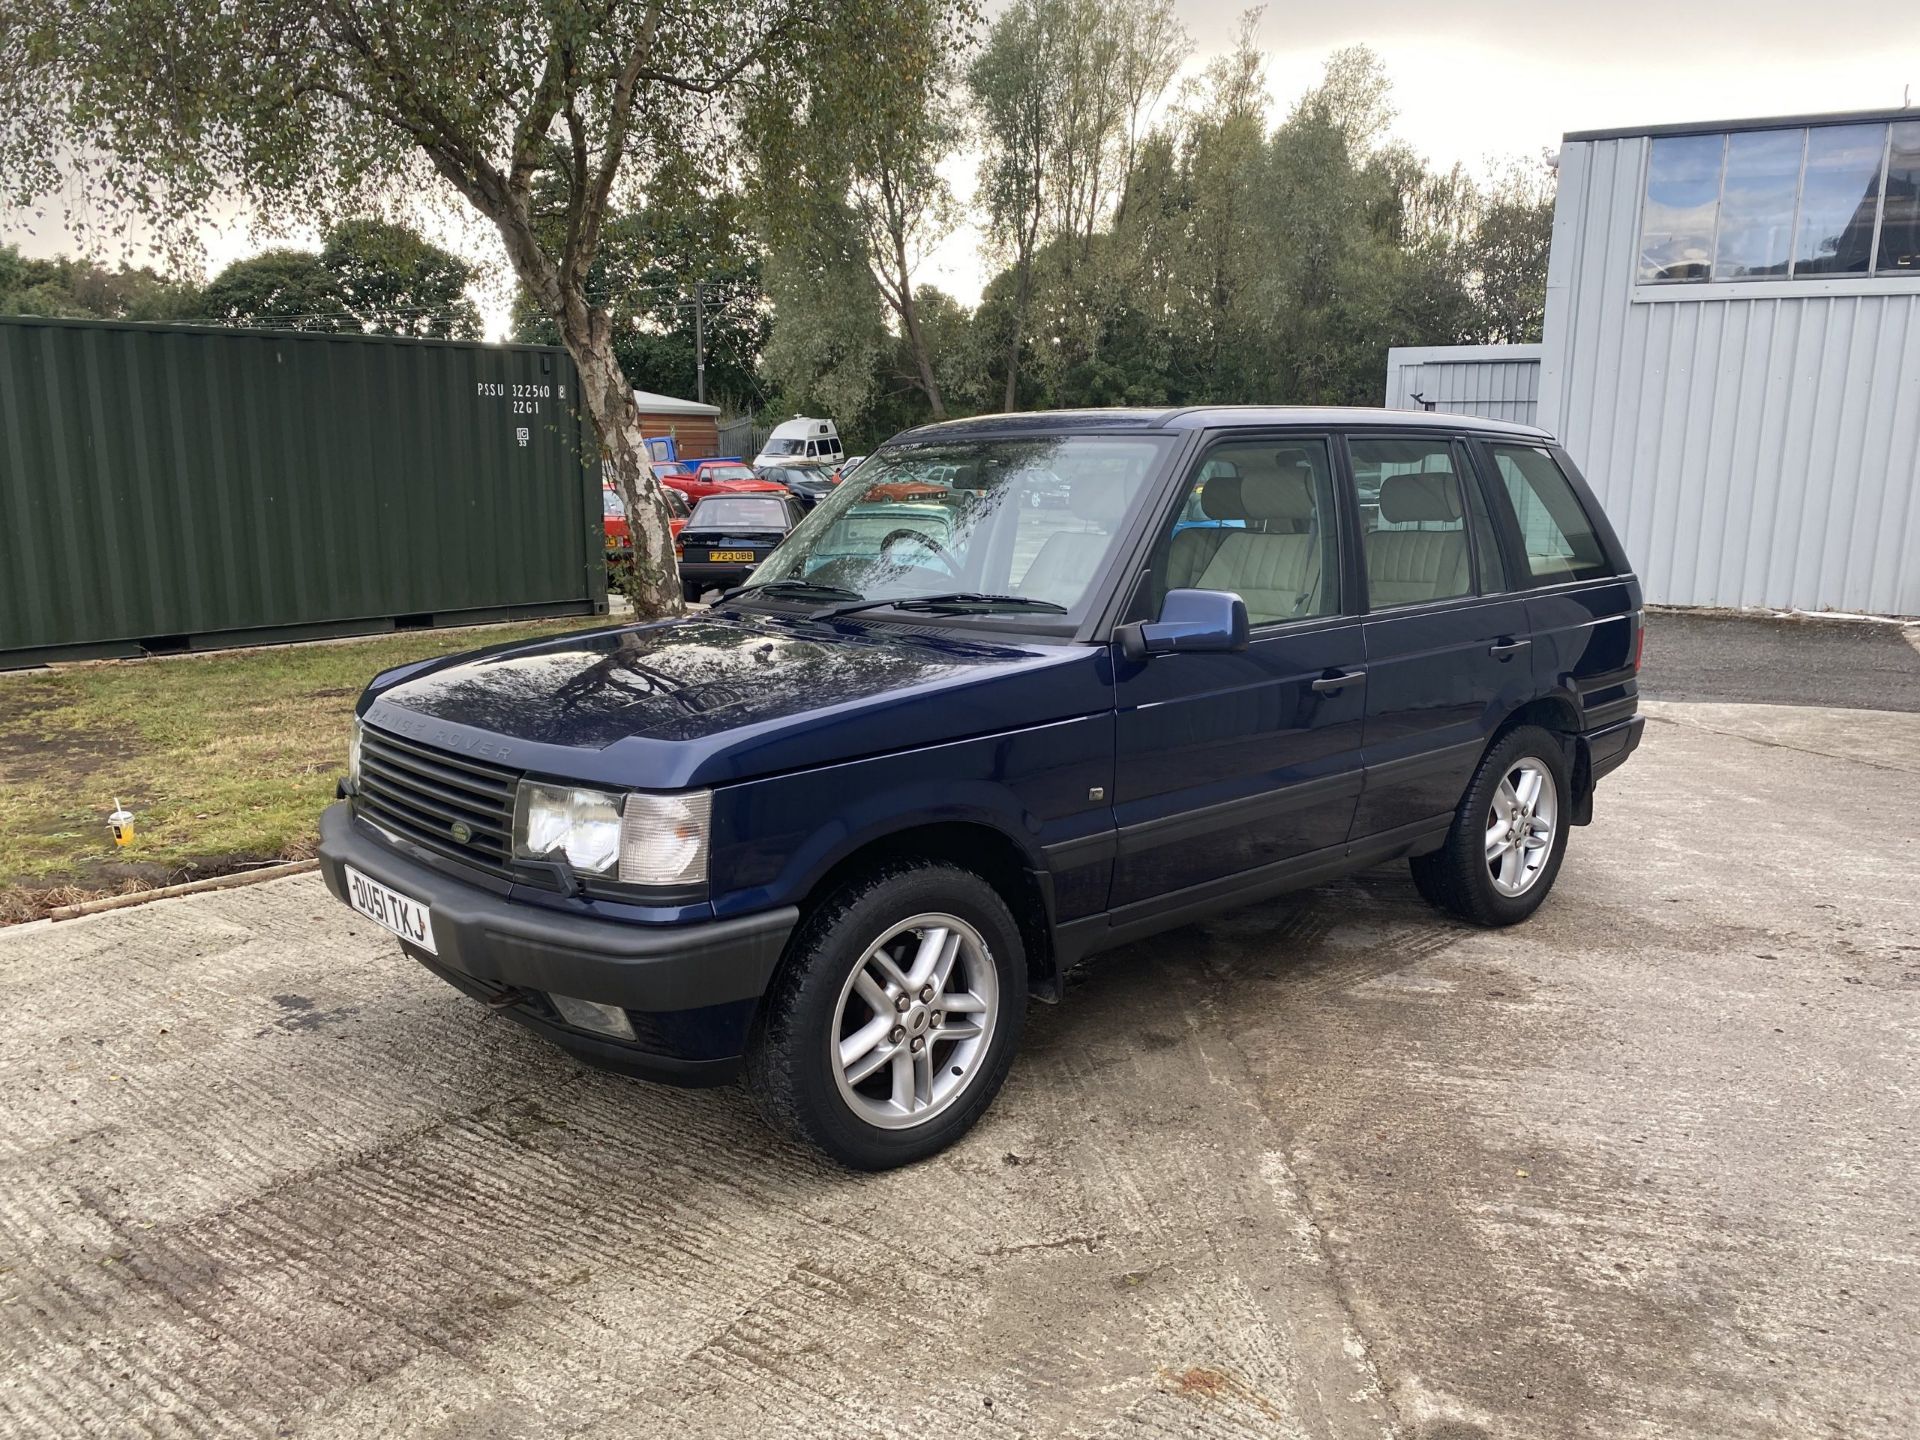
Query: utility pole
x,y
699,345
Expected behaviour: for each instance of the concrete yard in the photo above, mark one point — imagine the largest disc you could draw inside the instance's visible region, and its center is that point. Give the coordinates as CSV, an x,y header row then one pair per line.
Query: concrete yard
x,y
1648,1166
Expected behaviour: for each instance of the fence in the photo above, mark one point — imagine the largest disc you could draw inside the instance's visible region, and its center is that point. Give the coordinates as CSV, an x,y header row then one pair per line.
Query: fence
x,y
743,437
171,487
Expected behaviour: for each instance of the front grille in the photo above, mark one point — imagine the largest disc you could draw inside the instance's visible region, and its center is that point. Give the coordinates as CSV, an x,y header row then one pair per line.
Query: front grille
x,y
420,794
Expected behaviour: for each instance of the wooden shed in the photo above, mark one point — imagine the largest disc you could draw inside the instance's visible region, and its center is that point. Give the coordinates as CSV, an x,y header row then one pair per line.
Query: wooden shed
x,y
695,427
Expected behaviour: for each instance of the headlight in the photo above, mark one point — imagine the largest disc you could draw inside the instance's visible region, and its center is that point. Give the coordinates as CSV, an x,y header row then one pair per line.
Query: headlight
x,y
353,753
647,839
583,825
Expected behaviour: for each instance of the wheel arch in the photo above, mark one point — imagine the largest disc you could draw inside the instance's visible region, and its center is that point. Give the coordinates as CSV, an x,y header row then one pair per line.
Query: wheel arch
x,y
1559,715
985,850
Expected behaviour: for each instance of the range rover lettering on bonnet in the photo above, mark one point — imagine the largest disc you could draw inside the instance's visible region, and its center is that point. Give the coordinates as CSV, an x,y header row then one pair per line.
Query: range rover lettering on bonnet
x,y
429,732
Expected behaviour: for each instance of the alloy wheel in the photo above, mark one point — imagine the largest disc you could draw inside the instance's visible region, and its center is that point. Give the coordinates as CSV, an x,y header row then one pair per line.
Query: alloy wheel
x,y
914,1021
1522,822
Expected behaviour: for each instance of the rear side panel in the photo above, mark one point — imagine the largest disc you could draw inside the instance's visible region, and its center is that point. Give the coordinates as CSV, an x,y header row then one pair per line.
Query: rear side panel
x,y
1584,643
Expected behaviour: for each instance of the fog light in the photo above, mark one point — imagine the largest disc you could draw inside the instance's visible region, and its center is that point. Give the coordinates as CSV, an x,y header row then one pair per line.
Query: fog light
x,y
592,1015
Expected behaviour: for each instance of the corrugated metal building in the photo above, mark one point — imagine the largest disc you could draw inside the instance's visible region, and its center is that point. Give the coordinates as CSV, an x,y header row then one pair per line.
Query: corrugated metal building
x,y
1499,382
1733,354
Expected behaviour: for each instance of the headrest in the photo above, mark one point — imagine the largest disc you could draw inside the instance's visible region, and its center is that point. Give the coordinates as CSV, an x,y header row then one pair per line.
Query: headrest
x,y
1221,499
1284,493
1101,499
1409,499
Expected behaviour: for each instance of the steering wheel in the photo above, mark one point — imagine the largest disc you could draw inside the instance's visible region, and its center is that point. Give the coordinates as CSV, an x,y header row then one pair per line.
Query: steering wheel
x,y
934,548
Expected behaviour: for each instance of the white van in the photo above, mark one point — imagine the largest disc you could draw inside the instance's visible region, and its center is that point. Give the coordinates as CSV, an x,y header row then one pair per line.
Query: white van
x,y
801,439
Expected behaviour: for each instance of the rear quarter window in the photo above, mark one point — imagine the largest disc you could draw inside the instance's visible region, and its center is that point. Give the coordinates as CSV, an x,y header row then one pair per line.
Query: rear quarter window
x,y
1556,537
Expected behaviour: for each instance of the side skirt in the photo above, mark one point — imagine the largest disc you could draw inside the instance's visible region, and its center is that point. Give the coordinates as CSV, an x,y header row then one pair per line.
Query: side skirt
x,y
1081,938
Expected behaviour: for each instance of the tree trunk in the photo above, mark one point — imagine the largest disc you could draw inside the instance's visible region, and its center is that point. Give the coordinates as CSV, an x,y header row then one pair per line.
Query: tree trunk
x,y
910,317
899,288
1019,327
608,397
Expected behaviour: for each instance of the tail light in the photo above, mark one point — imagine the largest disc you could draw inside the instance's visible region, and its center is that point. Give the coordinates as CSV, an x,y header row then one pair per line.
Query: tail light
x,y
1639,641
680,553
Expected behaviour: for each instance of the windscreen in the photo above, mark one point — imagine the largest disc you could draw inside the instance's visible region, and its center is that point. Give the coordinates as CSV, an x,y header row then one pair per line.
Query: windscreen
x,y
1038,518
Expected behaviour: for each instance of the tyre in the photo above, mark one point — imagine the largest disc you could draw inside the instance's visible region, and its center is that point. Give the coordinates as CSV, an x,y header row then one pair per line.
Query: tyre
x,y
691,591
894,1016
1508,836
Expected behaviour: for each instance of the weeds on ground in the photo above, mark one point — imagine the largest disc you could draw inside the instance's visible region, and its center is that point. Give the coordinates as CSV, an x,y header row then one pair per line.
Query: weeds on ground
x,y
226,760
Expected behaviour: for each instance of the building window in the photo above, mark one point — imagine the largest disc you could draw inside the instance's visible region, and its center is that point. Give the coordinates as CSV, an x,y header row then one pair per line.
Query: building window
x,y
1797,203
1900,212
1683,196
1838,200
1757,192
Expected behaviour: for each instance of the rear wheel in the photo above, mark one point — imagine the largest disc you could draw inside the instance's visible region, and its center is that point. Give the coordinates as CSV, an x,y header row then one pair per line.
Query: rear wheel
x,y
895,1018
1509,835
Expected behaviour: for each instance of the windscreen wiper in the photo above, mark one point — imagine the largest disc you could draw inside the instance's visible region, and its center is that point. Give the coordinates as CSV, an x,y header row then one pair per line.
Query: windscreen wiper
x,y
955,602
791,587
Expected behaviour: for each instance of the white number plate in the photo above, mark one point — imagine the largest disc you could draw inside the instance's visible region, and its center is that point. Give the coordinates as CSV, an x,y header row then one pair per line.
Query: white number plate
x,y
408,919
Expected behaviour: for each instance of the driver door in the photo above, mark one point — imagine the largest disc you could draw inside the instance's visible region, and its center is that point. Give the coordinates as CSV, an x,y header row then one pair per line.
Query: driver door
x,y
1234,768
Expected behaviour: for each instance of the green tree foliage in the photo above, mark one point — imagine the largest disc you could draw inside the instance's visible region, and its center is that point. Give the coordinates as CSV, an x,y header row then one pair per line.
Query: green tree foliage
x,y
306,109
1510,249
644,278
281,289
855,158
826,353
74,289
393,282
1253,263
1063,88
370,278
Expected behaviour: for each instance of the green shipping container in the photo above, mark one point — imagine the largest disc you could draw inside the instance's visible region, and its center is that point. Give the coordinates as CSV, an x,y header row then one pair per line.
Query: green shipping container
x,y
165,487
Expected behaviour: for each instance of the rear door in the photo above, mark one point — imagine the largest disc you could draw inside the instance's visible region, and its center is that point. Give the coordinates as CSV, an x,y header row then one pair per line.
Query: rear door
x,y
1581,599
1446,645
1232,767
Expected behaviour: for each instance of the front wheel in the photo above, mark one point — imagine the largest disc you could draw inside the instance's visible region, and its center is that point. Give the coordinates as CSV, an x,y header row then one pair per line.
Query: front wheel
x,y
894,1018
1508,836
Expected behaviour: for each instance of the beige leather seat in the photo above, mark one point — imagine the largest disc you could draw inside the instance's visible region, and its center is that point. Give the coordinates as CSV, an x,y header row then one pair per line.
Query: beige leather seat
x,y
1409,567
1070,559
1276,571
1193,549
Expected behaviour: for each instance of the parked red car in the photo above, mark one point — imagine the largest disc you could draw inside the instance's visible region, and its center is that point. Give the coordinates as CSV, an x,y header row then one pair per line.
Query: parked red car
x,y
718,477
614,517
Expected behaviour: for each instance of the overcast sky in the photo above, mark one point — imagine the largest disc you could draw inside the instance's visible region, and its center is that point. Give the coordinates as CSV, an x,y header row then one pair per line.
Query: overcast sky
x,y
1500,77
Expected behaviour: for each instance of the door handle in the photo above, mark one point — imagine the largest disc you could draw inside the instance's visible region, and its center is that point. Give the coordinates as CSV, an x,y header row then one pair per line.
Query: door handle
x,y
1331,684
1503,648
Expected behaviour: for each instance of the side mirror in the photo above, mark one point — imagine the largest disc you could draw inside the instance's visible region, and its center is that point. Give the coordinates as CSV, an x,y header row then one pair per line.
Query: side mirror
x,y
1206,620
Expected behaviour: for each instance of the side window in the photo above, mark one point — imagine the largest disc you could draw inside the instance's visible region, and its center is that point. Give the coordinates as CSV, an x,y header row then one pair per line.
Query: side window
x,y
1413,521
1554,530
1257,520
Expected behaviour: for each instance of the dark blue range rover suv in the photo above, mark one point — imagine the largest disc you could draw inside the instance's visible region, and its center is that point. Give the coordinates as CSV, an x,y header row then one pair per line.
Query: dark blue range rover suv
x,y
946,742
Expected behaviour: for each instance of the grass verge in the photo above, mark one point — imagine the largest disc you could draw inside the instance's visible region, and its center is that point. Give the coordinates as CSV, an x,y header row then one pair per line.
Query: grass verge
x,y
226,760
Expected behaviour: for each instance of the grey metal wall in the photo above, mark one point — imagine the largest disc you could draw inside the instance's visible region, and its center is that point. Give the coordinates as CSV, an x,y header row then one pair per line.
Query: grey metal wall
x,y
175,482
1499,382
1754,445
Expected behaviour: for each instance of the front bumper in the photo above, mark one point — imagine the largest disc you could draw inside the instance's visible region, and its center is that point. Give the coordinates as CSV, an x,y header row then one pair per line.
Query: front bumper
x,y
690,991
